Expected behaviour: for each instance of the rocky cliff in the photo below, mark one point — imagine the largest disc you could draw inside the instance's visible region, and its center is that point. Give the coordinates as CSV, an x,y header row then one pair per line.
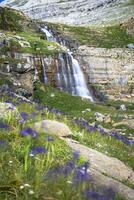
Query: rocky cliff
x,y
26,56
93,12
110,71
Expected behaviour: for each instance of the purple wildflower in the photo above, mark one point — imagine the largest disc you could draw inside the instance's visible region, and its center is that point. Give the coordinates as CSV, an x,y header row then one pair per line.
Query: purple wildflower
x,y
28,131
8,101
67,169
24,115
49,138
39,107
37,150
101,130
33,114
81,174
89,194
2,142
76,155
3,125
90,128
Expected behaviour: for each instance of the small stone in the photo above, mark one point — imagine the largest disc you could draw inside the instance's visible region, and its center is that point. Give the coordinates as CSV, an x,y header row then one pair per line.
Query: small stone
x,y
99,117
123,107
130,46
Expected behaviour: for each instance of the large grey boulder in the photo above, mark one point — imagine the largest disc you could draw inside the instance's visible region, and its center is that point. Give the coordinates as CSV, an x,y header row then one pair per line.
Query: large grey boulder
x,y
52,127
110,166
106,171
8,111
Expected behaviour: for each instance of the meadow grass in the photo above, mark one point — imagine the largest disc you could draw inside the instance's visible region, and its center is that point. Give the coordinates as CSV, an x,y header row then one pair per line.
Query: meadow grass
x,y
38,165
73,106
104,37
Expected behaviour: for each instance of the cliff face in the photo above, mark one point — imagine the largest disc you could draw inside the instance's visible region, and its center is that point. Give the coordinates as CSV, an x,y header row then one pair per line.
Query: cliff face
x,y
111,71
108,72
94,12
26,56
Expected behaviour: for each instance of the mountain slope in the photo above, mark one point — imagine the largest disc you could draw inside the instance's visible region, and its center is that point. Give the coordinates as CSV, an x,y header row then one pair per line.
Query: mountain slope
x,y
76,12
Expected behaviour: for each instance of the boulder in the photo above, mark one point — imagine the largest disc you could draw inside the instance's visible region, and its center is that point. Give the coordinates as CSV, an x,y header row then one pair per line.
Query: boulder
x,y
52,127
110,166
7,110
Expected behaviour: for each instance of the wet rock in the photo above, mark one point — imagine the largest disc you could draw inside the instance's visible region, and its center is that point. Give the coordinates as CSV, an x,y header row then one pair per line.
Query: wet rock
x,y
52,127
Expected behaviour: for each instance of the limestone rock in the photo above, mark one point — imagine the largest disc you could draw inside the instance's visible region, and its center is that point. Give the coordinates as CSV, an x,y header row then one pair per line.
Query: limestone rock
x,y
7,110
110,166
110,69
104,181
52,127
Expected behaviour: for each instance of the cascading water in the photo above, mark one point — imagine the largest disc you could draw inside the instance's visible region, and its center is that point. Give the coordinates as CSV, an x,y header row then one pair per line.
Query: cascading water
x,y
69,76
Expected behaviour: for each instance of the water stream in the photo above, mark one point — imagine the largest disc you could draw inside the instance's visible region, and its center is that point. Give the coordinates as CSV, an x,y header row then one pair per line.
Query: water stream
x,y
69,76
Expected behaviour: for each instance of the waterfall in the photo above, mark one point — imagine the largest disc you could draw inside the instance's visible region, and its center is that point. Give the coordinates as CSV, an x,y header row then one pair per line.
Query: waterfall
x,y
44,71
69,76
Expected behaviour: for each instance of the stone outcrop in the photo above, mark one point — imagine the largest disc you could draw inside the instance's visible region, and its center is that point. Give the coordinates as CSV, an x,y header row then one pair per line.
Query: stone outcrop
x,y
24,69
111,70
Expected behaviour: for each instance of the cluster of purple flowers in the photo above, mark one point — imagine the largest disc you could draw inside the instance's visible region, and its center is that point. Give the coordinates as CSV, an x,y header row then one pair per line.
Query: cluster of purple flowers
x,y
24,116
3,125
107,194
37,150
79,173
2,142
91,128
122,138
28,131
49,138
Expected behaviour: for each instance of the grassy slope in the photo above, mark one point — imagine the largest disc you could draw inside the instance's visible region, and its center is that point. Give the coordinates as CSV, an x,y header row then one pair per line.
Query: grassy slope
x,y
73,107
18,168
106,37
14,23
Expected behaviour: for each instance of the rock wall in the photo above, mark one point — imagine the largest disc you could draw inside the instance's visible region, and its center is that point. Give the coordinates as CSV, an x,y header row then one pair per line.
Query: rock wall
x,y
24,69
109,70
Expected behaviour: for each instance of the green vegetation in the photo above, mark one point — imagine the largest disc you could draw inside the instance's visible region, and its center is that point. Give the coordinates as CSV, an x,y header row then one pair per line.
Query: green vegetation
x,y
26,174
33,43
11,20
39,45
75,108
76,105
106,37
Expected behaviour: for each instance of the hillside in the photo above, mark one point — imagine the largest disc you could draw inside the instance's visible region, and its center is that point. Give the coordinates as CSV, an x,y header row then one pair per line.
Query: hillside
x,y
56,143
88,12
